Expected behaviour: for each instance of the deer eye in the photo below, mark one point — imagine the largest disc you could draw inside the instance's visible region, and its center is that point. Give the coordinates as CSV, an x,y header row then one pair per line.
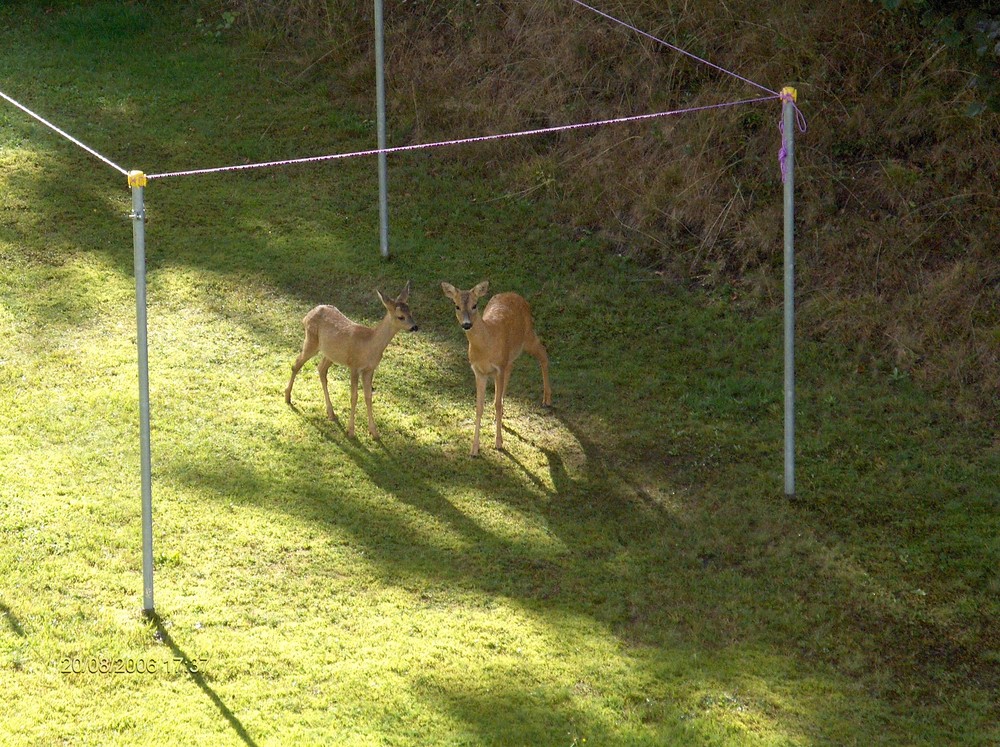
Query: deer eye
x,y
401,318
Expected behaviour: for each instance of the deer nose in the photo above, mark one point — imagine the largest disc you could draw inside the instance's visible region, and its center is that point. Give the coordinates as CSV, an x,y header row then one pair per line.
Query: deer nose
x,y
466,325
414,328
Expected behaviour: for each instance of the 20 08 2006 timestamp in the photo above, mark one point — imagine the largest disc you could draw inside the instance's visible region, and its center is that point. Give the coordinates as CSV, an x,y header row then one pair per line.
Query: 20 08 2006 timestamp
x,y
131,665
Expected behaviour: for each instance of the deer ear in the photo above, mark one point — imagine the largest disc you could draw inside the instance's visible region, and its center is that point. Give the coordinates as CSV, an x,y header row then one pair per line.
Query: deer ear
x,y
405,295
480,290
385,302
449,290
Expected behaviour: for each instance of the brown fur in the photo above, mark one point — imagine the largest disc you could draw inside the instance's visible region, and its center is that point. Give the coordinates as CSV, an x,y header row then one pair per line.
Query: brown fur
x,y
353,345
497,337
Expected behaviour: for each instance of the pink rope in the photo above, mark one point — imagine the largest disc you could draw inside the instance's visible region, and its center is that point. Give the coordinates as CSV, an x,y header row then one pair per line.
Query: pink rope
x,y
671,46
782,153
462,141
800,121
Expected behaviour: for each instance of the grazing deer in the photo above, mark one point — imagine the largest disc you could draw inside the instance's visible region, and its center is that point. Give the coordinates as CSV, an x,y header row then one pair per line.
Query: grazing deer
x,y
496,339
360,348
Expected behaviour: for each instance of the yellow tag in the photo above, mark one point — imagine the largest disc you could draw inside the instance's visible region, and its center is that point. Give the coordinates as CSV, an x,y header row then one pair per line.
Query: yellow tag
x,y
789,92
136,179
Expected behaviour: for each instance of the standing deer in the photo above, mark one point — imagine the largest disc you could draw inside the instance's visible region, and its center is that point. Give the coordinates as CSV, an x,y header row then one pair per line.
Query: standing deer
x,y
496,339
360,348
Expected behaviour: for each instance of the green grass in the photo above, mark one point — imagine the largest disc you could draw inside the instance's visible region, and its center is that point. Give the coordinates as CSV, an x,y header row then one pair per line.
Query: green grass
x,y
627,573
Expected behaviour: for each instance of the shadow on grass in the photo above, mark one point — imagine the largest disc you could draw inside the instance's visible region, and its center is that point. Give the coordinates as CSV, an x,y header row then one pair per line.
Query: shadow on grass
x,y
488,715
396,474
163,636
687,580
12,621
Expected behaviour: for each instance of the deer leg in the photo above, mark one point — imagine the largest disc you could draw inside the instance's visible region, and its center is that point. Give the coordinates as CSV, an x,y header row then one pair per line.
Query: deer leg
x,y
324,366
480,399
366,380
309,348
354,401
499,389
535,349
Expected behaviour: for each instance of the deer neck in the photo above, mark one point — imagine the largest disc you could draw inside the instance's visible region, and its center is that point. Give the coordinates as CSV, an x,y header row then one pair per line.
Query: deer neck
x,y
383,332
479,334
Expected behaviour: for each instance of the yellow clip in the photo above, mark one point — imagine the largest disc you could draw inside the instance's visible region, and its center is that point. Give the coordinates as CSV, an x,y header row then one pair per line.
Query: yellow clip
x,y
789,93
136,179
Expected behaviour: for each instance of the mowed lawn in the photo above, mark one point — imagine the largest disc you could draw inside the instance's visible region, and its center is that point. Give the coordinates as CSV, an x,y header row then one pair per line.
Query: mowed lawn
x,y
628,572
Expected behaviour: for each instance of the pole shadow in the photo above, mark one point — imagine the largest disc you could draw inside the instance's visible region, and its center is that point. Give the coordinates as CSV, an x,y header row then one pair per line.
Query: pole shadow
x,y
12,621
163,636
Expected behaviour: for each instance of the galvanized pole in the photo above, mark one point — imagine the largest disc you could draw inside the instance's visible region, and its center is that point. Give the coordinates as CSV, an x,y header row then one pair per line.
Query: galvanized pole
x,y
788,97
383,178
137,181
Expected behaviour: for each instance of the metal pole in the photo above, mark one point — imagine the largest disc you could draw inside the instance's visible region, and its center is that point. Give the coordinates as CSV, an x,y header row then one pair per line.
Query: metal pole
x,y
137,181
383,177
788,97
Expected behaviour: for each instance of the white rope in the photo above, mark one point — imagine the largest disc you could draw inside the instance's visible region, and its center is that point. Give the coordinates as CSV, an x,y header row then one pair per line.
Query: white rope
x,y
66,135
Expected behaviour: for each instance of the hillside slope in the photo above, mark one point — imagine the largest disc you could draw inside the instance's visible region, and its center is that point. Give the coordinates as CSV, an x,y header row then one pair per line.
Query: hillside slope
x,y
897,217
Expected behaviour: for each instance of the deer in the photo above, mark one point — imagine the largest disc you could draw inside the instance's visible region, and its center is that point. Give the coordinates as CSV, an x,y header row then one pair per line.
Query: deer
x,y
496,339
360,348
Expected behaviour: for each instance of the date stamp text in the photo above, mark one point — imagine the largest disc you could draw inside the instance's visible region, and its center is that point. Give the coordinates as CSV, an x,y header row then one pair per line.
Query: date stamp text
x,y
125,665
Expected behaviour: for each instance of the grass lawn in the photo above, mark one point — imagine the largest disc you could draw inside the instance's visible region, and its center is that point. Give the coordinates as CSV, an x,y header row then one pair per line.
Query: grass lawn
x,y
628,572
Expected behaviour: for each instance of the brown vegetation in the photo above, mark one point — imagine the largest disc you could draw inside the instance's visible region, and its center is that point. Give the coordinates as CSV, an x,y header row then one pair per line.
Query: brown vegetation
x,y
897,212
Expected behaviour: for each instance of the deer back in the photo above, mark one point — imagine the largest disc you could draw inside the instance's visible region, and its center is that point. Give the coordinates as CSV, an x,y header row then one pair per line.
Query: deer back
x,y
508,322
339,337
